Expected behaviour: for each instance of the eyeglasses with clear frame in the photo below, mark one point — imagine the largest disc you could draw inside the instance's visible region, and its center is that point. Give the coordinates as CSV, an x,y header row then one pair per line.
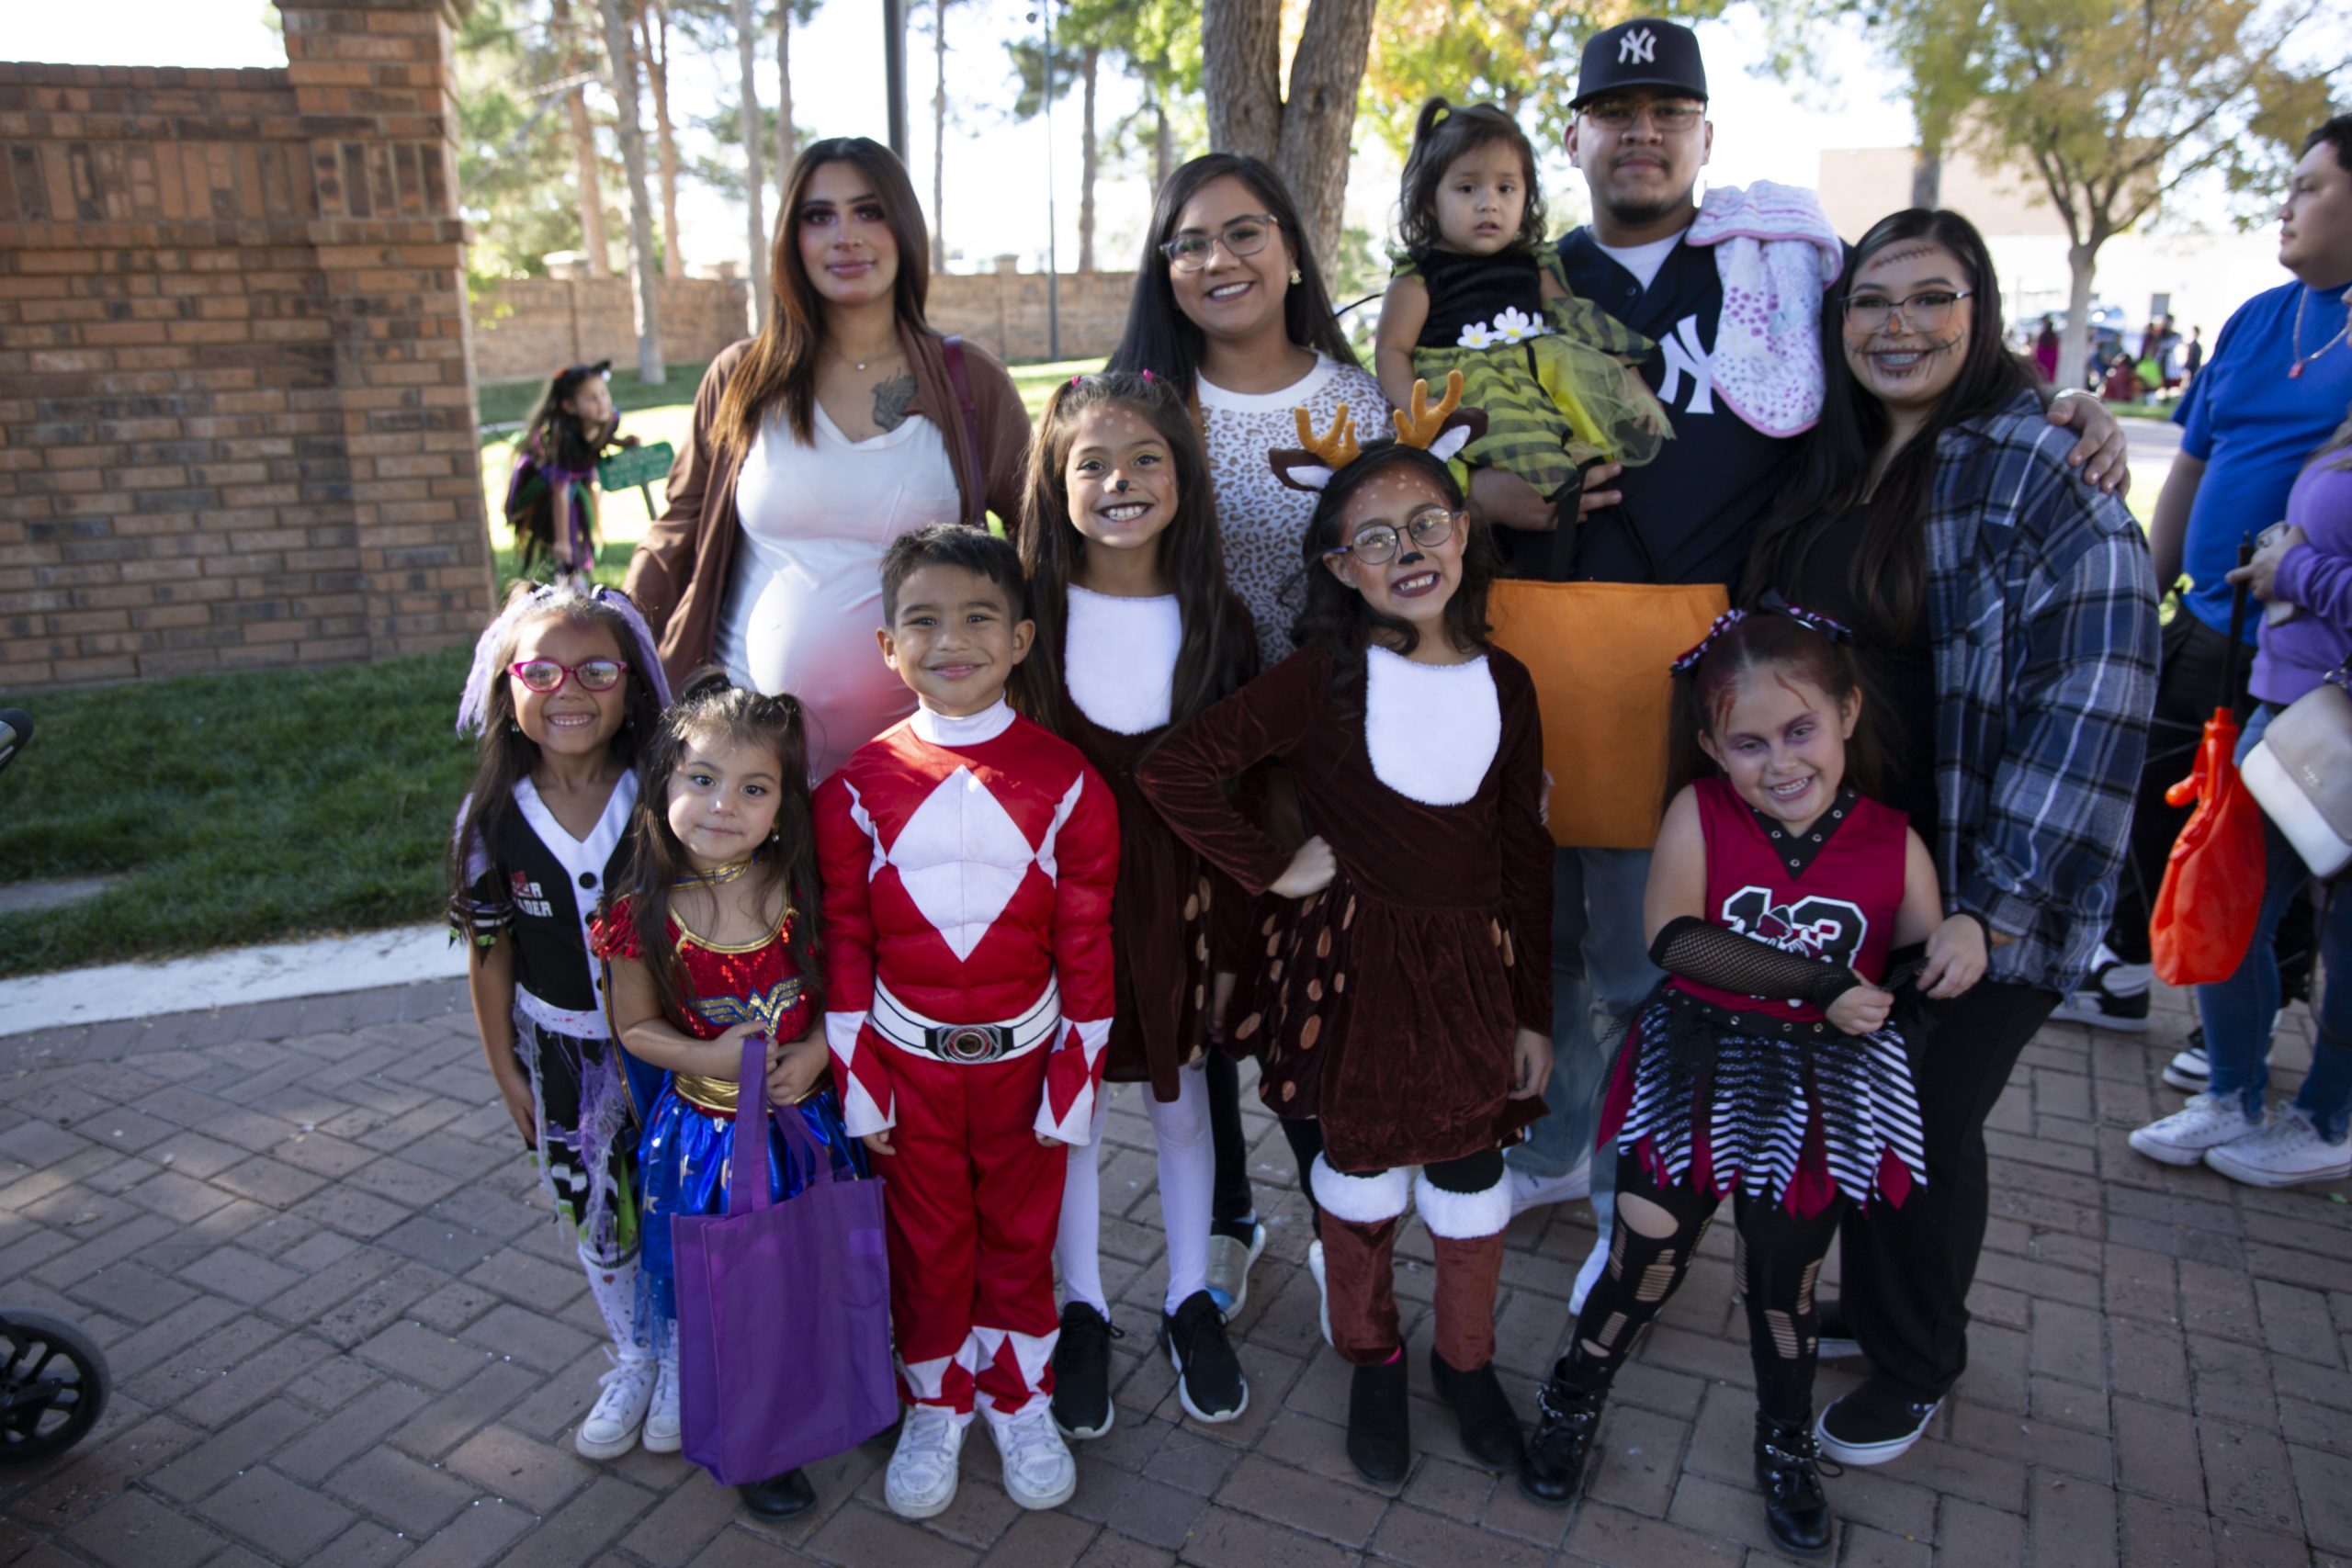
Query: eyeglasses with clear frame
x,y
1668,116
546,675
1925,311
1243,236
1376,546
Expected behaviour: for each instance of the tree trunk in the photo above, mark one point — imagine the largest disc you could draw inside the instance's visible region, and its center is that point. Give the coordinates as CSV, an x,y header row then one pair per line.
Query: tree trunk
x,y
1928,177
2075,342
653,18
623,81
583,151
1319,121
756,137
939,138
1241,74
1163,139
1090,161
788,140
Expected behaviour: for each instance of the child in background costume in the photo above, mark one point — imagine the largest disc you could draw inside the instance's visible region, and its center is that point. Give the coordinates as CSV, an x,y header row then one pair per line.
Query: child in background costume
x,y
1479,292
968,858
723,867
551,496
1396,1007
1764,1065
1137,630
566,690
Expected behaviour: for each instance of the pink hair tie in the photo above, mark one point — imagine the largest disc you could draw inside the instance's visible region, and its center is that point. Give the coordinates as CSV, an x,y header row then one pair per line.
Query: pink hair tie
x,y
1146,375
1076,380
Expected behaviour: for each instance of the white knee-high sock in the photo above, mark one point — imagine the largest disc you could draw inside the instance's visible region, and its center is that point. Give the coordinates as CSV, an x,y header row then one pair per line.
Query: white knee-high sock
x,y
1077,1243
1187,1181
613,1287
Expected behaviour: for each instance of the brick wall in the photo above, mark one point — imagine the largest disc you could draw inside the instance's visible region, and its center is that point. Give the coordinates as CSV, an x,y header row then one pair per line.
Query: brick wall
x,y
236,407
525,329
1005,310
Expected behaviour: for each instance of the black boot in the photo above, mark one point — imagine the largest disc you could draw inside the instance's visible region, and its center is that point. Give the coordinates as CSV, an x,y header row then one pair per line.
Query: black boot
x,y
779,1496
1566,1419
1380,1428
1491,1428
1788,1474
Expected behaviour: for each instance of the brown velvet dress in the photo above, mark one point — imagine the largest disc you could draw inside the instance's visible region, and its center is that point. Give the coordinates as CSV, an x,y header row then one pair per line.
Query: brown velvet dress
x,y
1389,1001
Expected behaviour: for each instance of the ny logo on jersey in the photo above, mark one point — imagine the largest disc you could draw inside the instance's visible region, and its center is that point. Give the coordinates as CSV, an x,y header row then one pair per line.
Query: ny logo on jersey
x,y
763,1007
1684,356
1638,47
1813,927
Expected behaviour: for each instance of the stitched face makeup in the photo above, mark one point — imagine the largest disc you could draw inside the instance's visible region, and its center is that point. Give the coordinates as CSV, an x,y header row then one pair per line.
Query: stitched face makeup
x,y
1909,312
1121,479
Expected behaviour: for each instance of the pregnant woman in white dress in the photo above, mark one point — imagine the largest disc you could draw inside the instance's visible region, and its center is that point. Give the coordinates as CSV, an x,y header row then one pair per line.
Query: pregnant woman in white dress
x,y
847,422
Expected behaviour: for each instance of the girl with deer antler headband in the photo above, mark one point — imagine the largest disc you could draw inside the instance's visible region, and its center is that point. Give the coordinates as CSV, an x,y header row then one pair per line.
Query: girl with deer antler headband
x,y
1394,1004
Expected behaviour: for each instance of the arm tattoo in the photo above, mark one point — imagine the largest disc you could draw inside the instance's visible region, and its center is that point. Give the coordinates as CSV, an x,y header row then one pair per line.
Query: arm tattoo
x,y
892,399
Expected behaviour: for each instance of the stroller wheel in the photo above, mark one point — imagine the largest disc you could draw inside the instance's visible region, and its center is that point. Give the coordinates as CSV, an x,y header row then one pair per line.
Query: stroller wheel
x,y
53,1385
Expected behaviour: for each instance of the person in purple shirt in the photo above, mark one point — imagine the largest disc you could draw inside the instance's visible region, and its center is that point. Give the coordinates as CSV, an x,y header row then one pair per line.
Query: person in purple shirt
x,y
2308,566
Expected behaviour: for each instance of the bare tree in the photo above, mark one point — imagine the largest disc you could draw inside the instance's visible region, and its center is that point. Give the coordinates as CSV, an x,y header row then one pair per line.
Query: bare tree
x,y
939,137
583,148
1090,156
1306,137
754,182
654,32
622,60
787,139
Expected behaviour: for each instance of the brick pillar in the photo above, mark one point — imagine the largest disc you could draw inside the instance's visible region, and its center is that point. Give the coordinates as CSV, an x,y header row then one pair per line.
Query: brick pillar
x,y
371,83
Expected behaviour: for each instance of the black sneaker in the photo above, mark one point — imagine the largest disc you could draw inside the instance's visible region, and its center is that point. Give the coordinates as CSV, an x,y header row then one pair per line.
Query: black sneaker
x,y
1208,1374
1566,1422
1082,1405
1833,1335
2190,1070
2114,998
1876,1422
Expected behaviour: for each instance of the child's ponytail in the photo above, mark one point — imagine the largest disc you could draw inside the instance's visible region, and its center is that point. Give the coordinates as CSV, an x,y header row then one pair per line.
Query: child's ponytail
x,y
1442,133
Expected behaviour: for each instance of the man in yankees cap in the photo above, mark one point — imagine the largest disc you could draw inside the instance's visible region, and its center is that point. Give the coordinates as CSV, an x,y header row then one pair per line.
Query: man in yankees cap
x,y
1655,257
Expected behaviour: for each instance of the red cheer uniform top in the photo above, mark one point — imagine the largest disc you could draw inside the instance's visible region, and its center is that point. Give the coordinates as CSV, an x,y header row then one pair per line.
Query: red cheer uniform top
x,y
968,865
1830,893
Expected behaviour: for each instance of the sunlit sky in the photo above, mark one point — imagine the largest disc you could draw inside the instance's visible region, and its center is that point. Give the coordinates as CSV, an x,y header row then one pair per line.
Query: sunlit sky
x,y
996,167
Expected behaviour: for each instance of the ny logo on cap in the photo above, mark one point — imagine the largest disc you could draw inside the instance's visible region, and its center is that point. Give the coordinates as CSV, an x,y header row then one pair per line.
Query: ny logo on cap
x,y
1637,49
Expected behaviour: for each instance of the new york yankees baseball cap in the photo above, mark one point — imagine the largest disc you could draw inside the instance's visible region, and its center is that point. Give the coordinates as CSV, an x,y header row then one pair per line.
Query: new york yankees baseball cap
x,y
1643,52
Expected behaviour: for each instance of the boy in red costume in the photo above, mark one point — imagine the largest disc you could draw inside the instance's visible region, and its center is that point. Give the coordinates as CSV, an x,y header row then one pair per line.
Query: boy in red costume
x,y
969,857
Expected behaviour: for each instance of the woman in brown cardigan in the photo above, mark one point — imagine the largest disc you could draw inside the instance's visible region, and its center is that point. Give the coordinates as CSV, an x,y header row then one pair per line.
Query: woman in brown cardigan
x,y
844,424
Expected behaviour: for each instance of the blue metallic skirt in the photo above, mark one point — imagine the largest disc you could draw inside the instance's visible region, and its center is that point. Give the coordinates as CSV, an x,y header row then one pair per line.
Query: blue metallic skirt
x,y
683,1157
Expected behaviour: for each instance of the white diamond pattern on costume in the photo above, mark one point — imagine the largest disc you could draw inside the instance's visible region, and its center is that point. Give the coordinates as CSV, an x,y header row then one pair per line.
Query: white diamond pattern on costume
x,y
961,858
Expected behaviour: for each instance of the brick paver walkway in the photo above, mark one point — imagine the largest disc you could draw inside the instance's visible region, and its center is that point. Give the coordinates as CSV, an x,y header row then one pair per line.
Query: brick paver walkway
x,y
343,1330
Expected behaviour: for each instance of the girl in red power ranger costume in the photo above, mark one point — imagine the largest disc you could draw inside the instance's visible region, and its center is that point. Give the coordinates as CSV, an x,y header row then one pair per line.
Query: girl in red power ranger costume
x,y
1138,631
724,869
1395,1005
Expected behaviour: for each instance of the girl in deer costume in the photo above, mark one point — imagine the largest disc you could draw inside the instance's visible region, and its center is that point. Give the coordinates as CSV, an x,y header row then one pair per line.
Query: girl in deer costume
x,y
1393,1007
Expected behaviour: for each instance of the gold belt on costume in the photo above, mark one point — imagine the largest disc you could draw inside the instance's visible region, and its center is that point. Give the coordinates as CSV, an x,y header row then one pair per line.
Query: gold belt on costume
x,y
709,1094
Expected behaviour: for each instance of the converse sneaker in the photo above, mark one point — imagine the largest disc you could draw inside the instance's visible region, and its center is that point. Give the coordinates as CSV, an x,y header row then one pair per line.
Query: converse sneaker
x,y
2114,998
1038,1470
1876,1422
1234,1246
2206,1122
611,1428
2190,1069
662,1428
1082,1371
1322,1289
1208,1374
1533,1191
922,1479
2289,1151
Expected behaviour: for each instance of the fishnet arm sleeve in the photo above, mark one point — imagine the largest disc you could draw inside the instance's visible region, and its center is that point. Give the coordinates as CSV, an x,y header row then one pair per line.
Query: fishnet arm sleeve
x,y
1724,959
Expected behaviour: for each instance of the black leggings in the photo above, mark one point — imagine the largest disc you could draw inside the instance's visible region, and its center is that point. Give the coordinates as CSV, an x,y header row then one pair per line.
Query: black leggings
x,y
1657,1233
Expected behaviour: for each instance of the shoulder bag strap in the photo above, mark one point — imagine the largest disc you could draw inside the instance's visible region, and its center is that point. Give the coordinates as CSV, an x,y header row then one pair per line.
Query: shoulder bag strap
x,y
976,505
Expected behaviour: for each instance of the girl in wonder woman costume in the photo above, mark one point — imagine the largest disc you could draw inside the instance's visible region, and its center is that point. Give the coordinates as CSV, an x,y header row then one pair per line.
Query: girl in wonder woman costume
x,y
712,940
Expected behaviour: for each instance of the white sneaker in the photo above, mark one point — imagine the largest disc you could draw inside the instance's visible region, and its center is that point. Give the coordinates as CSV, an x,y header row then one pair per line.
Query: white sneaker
x,y
922,1479
610,1428
2206,1122
1322,1291
1533,1191
2288,1151
1038,1470
662,1425
2114,996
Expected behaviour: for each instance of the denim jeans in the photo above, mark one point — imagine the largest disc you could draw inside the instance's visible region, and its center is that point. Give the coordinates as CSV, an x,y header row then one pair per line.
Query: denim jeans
x,y
2237,1013
1600,969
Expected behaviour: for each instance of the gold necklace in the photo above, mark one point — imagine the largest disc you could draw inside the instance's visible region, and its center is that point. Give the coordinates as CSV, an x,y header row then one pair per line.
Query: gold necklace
x,y
2295,347
724,874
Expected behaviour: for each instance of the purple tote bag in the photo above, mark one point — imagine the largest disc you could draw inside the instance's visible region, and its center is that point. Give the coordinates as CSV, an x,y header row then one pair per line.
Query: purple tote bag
x,y
784,1308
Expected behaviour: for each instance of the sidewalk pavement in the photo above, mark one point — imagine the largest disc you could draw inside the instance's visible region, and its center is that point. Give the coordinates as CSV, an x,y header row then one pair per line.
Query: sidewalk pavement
x,y
343,1329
